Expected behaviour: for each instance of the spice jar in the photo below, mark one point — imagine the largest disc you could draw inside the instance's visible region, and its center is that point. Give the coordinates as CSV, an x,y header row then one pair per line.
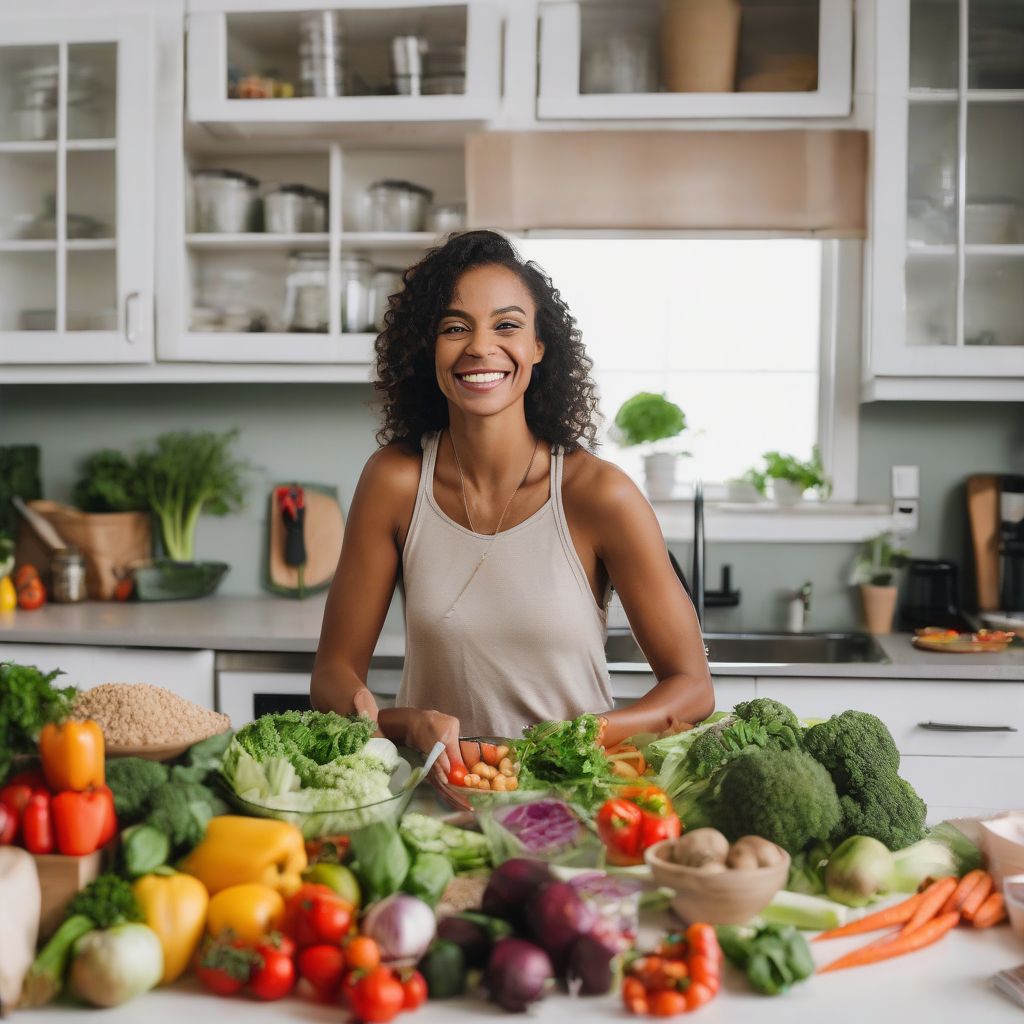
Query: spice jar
x,y
67,566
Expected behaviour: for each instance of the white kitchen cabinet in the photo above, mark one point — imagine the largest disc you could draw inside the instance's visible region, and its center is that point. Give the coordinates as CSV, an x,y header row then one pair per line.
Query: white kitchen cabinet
x,y
945,258
189,674
601,61
76,206
628,687
238,38
955,787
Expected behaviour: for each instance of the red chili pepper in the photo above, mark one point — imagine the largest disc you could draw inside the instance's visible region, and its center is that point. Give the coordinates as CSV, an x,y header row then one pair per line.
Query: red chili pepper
x,y
79,820
37,824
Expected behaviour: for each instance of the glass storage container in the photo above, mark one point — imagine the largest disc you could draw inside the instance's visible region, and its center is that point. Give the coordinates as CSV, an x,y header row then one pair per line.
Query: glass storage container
x,y
356,284
305,304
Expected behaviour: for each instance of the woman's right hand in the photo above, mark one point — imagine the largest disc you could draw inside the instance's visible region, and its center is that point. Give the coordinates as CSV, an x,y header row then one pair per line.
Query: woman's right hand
x,y
425,728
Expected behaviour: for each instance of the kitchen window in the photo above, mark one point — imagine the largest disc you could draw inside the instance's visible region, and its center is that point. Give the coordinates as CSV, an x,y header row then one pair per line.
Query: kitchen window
x,y
743,333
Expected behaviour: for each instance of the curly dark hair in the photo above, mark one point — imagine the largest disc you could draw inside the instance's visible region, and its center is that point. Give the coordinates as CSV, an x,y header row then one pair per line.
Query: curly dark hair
x,y
561,400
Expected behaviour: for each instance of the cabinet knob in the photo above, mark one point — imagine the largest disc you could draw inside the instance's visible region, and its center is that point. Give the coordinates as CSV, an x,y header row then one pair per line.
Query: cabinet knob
x,y
130,301
960,727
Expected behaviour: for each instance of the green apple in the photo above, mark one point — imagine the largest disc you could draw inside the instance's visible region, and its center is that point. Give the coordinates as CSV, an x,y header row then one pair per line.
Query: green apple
x,y
336,877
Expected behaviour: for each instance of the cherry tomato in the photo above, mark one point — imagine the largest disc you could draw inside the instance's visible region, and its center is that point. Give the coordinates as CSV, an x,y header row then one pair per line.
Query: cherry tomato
x,y
697,995
414,986
124,588
31,594
224,967
705,970
632,988
282,943
457,774
273,975
316,914
362,953
323,967
24,573
378,996
667,1003
348,985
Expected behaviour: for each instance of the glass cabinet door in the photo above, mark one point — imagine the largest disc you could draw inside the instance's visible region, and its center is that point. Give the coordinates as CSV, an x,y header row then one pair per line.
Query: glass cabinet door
x,y
76,197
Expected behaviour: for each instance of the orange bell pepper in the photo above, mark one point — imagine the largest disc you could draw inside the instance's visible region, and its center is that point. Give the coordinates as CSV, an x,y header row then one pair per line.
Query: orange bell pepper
x,y
72,755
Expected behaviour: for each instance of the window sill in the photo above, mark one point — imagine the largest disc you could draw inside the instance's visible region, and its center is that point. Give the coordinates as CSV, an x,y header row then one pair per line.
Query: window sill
x,y
765,523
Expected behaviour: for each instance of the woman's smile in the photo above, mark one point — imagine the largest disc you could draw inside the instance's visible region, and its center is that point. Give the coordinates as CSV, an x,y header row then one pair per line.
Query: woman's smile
x,y
482,380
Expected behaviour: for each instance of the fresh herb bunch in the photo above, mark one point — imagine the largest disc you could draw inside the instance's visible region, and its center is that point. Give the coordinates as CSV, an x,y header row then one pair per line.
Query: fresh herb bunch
x,y
648,417
879,560
28,701
568,757
805,475
110,483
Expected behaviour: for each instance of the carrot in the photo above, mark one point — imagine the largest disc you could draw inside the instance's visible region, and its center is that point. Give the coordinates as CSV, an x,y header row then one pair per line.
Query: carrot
x,y
931,903
898,913
991,912
962,891
904,942
976,898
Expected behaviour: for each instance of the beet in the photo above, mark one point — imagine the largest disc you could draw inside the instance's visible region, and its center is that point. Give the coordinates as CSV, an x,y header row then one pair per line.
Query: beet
x,y
590,960
557,917
510,887
518,974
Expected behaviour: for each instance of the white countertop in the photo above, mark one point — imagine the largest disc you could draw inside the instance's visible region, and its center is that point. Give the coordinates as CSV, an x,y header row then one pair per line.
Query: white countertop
x,y
944,983
224,623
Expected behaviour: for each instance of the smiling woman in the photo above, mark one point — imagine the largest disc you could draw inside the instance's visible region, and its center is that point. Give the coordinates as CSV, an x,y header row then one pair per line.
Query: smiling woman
x,y
504,531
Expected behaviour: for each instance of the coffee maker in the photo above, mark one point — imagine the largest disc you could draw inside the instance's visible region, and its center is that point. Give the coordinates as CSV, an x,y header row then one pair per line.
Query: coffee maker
x,y
995,515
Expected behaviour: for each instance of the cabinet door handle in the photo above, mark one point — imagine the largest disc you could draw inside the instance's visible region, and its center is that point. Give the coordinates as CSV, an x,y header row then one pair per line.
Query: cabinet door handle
x,y
129,320
958,727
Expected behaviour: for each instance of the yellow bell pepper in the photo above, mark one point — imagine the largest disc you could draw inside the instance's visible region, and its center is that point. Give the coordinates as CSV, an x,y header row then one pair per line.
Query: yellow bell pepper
x,y
237,850
174,906
72,755
8,595
251,911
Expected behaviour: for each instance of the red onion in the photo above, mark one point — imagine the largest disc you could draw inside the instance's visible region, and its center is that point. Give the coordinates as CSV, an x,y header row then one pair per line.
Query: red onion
x,y
518,974
403,926
590,961
510,887
557,917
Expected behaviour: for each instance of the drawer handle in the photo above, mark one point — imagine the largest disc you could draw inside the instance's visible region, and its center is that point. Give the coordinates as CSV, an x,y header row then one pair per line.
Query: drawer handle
x,y
956,727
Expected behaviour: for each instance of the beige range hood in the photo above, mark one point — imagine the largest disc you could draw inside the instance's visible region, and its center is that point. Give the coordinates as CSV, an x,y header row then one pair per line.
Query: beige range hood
x,y
798,182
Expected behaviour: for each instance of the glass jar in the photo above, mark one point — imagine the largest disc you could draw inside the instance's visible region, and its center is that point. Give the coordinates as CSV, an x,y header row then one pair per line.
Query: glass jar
x,y
356,283
386,281
67,566
305,301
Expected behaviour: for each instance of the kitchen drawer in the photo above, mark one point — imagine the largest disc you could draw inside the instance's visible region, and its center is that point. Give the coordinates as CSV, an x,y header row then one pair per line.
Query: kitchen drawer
x,y
907,707
628,687
189,674
954,785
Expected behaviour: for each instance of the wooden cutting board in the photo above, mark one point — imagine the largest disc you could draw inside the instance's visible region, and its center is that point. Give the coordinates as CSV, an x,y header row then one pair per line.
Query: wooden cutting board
x,y
324,532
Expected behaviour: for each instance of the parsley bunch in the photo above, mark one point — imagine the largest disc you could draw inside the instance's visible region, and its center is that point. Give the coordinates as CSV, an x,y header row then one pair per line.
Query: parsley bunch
x,y
28,701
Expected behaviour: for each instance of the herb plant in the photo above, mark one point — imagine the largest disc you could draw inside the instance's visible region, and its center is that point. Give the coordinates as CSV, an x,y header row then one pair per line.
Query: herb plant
x,y
111,483
648,417
779,466
28,701
879,560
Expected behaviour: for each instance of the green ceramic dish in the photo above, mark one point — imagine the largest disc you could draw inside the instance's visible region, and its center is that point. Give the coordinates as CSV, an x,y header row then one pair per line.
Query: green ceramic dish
x,y
167,580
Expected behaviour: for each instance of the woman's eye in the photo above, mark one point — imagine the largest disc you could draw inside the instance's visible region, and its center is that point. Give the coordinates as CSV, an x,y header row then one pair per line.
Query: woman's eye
x,y
506,324
453,329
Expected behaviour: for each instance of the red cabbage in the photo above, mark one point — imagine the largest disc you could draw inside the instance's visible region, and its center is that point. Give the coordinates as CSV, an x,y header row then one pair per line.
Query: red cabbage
x,y
544,827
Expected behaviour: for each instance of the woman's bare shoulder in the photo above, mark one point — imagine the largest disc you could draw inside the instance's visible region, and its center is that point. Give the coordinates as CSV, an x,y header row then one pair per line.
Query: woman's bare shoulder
x,y
595,490
391,473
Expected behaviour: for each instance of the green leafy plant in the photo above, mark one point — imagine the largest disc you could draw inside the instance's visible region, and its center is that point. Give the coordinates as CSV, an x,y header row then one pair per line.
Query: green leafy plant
x,y
879,561
185,475
19,475
648,417
779,466
28,701
110,483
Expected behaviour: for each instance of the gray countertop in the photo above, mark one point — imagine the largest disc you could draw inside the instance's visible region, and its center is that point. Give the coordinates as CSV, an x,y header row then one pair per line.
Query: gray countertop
x,y
225,623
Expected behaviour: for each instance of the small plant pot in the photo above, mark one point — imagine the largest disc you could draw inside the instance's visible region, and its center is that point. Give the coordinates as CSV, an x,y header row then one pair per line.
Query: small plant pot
x,y
660,474
787,493
879,607
741,491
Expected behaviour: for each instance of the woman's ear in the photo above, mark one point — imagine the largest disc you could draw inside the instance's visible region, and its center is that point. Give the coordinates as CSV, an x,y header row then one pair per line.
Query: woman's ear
x,y
539,352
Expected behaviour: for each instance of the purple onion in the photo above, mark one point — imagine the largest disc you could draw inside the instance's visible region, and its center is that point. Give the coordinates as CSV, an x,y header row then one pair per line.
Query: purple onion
x,y
518,974
510,887
557,917
590,963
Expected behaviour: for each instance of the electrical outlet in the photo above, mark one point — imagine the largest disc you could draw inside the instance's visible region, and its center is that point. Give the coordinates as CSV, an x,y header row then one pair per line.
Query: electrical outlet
x,y
904,515
906,482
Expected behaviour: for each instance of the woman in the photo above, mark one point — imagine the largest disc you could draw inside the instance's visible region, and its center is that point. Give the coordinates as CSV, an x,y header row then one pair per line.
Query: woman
x,y
505,532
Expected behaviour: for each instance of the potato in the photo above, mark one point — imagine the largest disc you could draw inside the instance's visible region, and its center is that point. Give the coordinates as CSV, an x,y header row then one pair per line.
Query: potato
x,y
753,852
700,847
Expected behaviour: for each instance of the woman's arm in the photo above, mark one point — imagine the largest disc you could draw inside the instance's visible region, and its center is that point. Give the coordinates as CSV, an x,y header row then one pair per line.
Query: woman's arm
x,y
629,541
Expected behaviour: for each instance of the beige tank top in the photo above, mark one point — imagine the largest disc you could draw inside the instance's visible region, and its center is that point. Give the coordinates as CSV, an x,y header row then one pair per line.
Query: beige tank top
x,y
507,642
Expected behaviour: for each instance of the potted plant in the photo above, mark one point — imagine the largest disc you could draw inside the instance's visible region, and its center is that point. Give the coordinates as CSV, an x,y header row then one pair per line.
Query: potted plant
x,y
790,477
647,418
874,571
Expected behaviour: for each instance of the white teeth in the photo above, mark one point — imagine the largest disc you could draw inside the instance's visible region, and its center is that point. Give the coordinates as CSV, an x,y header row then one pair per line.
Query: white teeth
x,y
482,378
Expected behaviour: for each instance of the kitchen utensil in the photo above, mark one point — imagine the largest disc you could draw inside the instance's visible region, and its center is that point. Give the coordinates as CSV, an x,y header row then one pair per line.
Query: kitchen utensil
x,y
386,282
225,201
356,281
390,205
320,54
699,45
995,513
931,597
291,503
445,217
164,579
407,62
37,96
44,530
292,209
323,533
305,302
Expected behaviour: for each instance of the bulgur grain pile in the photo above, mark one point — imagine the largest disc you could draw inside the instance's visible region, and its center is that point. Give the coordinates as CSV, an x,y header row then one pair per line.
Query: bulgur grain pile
x,y
140,715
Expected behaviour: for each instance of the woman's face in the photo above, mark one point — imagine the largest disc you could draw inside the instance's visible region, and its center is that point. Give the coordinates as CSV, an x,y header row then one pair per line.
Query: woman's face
x,y
487,345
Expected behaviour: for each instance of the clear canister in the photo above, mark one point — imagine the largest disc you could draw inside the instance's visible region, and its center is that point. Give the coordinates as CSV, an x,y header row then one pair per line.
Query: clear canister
x,y
67,566
305,304
356,284
386,282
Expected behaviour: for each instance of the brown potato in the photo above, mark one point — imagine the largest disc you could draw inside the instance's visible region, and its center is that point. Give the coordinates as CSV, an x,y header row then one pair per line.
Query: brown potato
x,y
699,847
753,852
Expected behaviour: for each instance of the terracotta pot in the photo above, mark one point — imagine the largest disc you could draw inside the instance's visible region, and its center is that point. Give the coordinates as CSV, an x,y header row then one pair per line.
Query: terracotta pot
x,y
879,607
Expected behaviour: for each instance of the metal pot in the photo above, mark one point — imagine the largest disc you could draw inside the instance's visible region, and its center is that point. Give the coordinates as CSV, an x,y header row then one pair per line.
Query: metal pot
x,y
225,201
395,206
293,209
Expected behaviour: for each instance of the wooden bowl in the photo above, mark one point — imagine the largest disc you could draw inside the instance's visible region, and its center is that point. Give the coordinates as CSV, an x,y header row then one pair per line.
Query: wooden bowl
x,y
154,753
732,896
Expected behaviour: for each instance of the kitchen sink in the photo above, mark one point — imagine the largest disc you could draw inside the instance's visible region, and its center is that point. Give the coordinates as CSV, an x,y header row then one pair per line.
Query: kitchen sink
x,y
763,649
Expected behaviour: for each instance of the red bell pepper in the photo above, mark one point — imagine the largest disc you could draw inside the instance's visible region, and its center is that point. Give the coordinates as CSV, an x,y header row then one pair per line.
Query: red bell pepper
x,y
79,820
636,819
37,824
8,825
110,817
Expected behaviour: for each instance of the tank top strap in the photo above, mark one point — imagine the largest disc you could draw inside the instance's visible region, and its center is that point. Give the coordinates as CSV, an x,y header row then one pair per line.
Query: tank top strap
x,y
562,524
429,443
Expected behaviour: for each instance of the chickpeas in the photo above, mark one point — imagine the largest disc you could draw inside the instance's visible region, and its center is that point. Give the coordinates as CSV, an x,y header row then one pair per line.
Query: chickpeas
x,y
502,753
499,783
505,767
472,780
483,784
499,777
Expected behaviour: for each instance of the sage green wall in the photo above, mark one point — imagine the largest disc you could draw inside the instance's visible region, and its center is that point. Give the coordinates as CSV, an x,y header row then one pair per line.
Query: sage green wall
x,y
324,433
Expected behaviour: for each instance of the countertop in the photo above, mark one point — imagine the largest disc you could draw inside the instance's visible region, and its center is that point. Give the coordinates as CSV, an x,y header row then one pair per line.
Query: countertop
x,y
224,623
946,982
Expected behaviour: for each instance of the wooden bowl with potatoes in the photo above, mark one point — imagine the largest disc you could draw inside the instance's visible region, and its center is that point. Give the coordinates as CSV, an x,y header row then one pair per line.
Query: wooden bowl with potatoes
x,y
717,881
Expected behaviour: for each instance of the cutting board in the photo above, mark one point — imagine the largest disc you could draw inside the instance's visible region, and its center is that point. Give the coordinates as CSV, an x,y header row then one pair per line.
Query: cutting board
x,y
324,532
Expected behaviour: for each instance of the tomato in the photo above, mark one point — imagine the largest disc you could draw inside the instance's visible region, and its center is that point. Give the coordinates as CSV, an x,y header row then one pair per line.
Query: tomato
x,y
705,970
414,987
703,941
362,952
378,996
124,588
24,573
667,1004
8,825
273,975
457,774
348,985
697,995
282,943
323,967
31,594
632,988
224,966
316,914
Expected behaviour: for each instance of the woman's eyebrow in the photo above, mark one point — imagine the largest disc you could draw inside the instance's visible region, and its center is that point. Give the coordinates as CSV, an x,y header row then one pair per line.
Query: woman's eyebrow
x,y
456,312
509,309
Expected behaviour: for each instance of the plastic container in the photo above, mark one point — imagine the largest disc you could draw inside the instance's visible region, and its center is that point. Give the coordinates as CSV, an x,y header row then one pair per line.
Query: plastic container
x,y
225,201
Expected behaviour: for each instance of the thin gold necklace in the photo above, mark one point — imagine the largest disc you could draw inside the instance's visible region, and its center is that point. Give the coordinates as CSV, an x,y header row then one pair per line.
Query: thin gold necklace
x,y
508,505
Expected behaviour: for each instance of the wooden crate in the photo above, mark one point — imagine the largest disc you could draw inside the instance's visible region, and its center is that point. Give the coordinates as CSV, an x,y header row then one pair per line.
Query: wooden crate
x,y
59,879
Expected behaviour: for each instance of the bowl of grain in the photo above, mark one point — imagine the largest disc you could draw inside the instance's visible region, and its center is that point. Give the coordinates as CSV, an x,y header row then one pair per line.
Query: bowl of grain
x,y
140,720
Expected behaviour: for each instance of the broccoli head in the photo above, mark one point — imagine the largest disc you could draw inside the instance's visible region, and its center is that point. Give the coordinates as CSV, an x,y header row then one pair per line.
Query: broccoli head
x,y
182,812
855,747
765,710
888,809
133,781
783,795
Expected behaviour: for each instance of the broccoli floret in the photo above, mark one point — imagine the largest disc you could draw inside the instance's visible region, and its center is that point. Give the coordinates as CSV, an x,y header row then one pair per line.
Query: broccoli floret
x,y
182,812
765,710
107,901
855,747
133,781
888,810
783,795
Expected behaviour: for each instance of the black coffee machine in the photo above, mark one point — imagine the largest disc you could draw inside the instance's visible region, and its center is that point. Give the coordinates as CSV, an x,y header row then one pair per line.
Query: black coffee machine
x,y
931,596
995,514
